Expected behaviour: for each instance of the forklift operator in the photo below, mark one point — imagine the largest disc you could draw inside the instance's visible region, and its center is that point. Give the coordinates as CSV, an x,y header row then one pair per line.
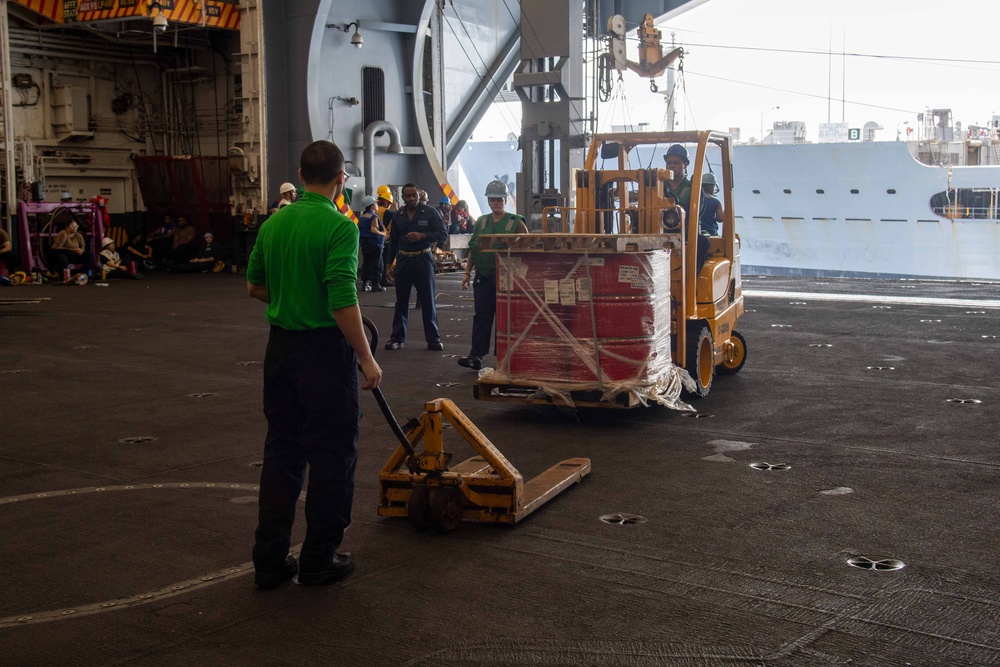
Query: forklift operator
x,y
679,186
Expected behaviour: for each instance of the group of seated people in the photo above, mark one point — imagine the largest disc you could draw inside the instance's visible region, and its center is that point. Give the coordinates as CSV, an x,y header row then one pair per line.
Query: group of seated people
x,y
171,247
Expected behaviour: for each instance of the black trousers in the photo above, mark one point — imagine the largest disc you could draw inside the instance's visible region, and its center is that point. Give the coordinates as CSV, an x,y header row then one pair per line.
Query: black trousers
x,y
415,271
313,408
371,267
63,258
8,259
484,291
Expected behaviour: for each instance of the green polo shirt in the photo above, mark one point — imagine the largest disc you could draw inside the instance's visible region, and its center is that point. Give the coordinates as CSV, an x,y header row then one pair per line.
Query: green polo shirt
x,y
307,256
483,261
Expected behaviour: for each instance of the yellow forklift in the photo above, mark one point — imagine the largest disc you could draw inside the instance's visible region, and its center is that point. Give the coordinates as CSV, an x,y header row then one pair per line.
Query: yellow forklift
x,y
706,303
631,209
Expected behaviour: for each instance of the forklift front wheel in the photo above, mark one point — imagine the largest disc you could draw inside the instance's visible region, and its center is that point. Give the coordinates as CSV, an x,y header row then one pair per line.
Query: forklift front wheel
x,y
418,509
700,358
446,508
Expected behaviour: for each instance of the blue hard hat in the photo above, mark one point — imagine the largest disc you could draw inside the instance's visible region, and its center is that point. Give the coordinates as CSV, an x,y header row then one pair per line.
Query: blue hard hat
x,y
444,200
367,201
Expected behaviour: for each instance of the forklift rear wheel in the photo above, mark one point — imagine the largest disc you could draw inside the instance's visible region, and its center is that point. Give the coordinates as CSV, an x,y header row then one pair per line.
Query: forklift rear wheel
x,y
418,509
446,508
735,356
700,358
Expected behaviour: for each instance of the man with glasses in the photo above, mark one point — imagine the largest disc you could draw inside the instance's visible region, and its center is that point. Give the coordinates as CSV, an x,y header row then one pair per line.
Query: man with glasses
x,y
311,395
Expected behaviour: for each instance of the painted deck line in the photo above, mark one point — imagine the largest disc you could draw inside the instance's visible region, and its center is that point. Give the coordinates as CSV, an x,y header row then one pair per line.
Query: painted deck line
x,y
874,298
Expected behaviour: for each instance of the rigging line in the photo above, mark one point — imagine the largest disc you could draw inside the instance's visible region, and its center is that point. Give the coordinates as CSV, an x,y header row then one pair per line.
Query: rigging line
x,y
797,92
507,116
573,102
687,98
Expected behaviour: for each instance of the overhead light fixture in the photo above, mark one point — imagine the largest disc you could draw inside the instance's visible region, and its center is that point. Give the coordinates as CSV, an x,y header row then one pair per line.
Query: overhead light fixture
x,y
160,24
356,39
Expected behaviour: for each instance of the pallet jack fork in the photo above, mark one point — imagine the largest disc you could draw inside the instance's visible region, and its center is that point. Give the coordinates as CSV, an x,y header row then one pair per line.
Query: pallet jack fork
x,y
485,488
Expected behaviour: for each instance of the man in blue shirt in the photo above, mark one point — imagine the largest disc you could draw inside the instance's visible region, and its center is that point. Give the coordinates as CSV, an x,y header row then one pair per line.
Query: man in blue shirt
x,y
415,230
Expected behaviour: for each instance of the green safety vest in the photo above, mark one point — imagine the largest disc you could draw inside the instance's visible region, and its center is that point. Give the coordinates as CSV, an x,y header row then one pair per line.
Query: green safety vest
x,y
483,261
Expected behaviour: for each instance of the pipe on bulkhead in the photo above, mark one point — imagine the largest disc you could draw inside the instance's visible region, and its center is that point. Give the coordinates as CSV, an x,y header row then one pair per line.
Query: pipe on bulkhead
x,y
395,146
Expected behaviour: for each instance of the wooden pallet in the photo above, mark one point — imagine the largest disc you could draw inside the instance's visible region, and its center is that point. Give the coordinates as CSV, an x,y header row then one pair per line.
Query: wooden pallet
x,y
515,392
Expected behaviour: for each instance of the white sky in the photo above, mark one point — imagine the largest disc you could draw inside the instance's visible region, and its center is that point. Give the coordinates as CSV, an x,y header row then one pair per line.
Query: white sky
x,y
728,87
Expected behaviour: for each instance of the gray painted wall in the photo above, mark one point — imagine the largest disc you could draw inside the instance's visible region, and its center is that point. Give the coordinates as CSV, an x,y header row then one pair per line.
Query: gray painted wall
x,y
299,109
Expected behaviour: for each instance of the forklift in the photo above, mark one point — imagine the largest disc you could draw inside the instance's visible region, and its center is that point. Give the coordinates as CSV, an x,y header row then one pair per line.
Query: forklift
x,y
708,300
629,209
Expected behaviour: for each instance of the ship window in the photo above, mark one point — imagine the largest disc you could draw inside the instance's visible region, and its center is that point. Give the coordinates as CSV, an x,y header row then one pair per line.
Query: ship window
x,y
756,192
855,192
787,191
890,191
976,203
821,192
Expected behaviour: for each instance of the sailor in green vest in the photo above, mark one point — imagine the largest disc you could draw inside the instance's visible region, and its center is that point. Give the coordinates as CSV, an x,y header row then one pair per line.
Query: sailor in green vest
x,y
484,287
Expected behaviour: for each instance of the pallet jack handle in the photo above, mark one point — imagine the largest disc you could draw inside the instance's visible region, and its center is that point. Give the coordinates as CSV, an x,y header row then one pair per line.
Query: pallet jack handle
x,y
380,399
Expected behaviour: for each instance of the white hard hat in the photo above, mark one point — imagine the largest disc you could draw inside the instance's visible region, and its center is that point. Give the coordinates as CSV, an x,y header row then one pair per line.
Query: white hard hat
x,y
367,201
497,188
286,187
106,241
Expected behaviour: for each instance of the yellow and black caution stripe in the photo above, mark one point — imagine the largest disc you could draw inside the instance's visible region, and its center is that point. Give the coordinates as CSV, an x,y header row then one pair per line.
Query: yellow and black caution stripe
x,y
342,206
449,193
218,13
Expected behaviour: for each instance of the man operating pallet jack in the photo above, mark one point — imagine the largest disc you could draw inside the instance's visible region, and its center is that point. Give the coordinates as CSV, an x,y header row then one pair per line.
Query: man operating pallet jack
x,y
312,402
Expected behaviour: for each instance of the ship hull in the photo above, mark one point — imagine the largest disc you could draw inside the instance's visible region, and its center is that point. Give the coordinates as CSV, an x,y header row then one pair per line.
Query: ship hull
x,y
843,210
862,210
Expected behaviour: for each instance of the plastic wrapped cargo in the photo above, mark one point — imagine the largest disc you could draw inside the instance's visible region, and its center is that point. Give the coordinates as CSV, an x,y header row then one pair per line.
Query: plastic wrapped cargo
x,y
578,318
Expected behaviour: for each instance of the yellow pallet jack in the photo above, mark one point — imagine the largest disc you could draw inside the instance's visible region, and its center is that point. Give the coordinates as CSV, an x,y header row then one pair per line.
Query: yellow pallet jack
x,y
487,488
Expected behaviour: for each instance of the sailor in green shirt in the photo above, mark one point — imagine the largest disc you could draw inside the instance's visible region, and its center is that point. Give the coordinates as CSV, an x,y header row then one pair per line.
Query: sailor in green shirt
x,y
304,267
679,185
484,288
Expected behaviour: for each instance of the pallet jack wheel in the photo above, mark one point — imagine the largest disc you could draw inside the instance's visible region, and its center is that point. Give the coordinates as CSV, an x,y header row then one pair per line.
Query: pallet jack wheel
x,y
446,508
418,509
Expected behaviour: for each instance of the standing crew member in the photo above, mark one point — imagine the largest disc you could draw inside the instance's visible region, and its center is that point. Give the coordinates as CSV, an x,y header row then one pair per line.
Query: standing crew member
x,y
484,288
386,209
372,242
415,230
304,267
286,196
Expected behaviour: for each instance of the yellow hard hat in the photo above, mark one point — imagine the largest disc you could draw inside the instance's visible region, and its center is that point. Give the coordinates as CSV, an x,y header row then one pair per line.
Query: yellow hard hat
x,y
385,193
